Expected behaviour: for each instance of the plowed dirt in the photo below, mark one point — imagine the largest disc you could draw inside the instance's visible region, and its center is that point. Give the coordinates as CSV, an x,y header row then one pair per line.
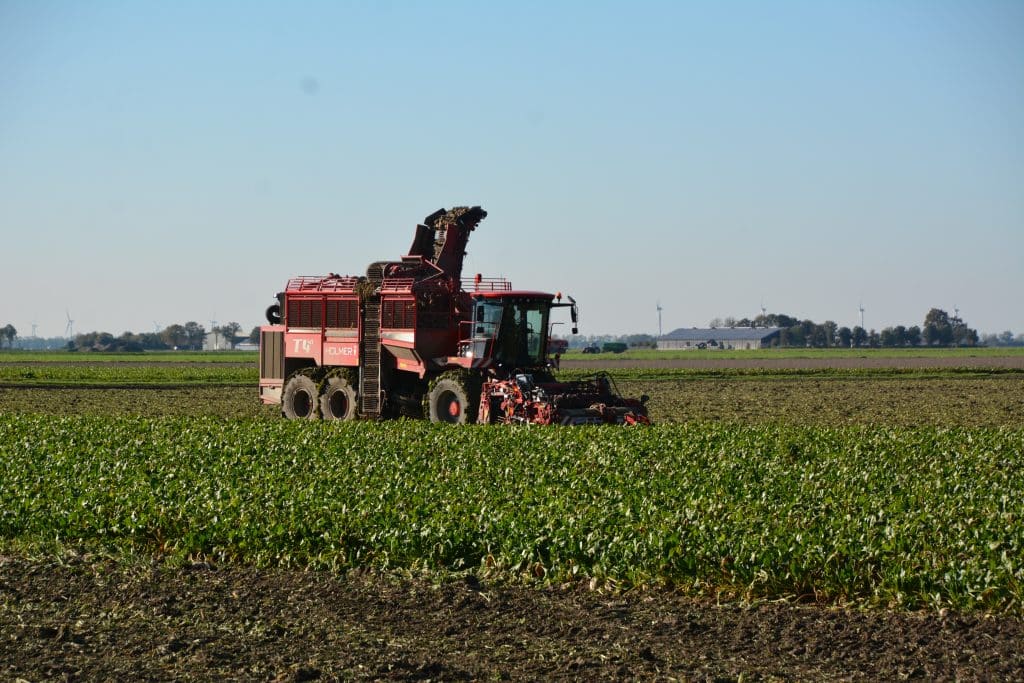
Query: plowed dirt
x,y
609,361
90,619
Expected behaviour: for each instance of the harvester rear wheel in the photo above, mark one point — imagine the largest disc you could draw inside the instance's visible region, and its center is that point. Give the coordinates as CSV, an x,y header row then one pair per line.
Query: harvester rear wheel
x,y
451,400
338,399
299,399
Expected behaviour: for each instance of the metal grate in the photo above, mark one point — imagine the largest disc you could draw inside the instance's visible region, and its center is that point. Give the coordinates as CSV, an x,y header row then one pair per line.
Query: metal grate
x,y
341,313
398,314
305,312
272,355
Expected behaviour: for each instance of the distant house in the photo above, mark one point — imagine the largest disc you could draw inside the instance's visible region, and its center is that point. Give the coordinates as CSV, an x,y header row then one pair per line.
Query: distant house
x,y
215,341
691,338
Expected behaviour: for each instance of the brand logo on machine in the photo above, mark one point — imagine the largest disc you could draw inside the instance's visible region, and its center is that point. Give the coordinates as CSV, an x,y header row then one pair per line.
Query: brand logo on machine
x,y
302,345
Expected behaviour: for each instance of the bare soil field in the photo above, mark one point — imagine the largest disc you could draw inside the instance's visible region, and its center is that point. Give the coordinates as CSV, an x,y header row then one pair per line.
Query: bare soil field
x,y
82,618
608,362
903,401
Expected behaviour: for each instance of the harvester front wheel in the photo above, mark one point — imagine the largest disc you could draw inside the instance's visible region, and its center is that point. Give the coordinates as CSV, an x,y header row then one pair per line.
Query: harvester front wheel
x,y
299,398
338,399
449,401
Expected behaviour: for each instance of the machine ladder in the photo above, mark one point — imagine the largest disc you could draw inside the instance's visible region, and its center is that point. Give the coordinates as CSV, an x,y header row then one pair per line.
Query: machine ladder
x,y
369,366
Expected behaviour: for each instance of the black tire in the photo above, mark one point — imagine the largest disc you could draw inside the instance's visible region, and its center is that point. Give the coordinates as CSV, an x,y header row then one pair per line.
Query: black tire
x,y
338,399
450,400
273,314
299,399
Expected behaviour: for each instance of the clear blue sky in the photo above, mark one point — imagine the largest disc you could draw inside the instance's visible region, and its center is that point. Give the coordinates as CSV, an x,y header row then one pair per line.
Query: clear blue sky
x,y
162,162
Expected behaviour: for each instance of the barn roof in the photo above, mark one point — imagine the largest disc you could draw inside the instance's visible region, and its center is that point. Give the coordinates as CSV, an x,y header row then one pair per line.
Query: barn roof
x,y
720,333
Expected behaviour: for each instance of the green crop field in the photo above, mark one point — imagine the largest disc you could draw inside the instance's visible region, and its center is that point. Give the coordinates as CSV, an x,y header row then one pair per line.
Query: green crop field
x,y
882,487
896,517
20,356
125,373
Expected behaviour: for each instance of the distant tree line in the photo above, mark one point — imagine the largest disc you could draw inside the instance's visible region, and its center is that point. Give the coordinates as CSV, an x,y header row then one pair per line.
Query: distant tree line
x,y
939,329
189,336
1004,338
633,341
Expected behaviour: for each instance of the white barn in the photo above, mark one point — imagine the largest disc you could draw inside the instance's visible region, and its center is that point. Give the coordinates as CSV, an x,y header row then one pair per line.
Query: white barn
x,y
691,338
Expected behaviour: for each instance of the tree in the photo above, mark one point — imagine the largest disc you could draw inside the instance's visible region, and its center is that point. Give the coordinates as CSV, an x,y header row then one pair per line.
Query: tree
x,y
792,336
859,337
1004,338
937,329
175,336
806,328
887,337
781,320
829,328
128,342
254,335
86,340
893,336
913,336
963,335
196,333
9,333
230,332
819,336
901,335
152,341
845,336
105,341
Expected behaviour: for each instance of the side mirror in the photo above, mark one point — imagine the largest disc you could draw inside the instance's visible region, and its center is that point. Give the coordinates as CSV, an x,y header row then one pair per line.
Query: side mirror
x,y
575,330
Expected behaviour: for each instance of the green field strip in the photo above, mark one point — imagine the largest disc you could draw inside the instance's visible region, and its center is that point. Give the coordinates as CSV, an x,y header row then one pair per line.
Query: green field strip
x,y
881,516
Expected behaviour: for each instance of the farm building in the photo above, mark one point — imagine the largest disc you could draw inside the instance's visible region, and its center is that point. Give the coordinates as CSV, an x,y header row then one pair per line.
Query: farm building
x,y
215,341
719,338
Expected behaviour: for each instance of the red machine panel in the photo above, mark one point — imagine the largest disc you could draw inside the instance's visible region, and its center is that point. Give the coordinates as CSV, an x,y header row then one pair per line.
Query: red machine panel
x,y
340,352
303,345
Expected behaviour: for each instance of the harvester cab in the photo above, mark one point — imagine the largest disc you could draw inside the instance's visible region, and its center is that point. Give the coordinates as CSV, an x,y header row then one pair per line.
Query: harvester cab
x,y
511,328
